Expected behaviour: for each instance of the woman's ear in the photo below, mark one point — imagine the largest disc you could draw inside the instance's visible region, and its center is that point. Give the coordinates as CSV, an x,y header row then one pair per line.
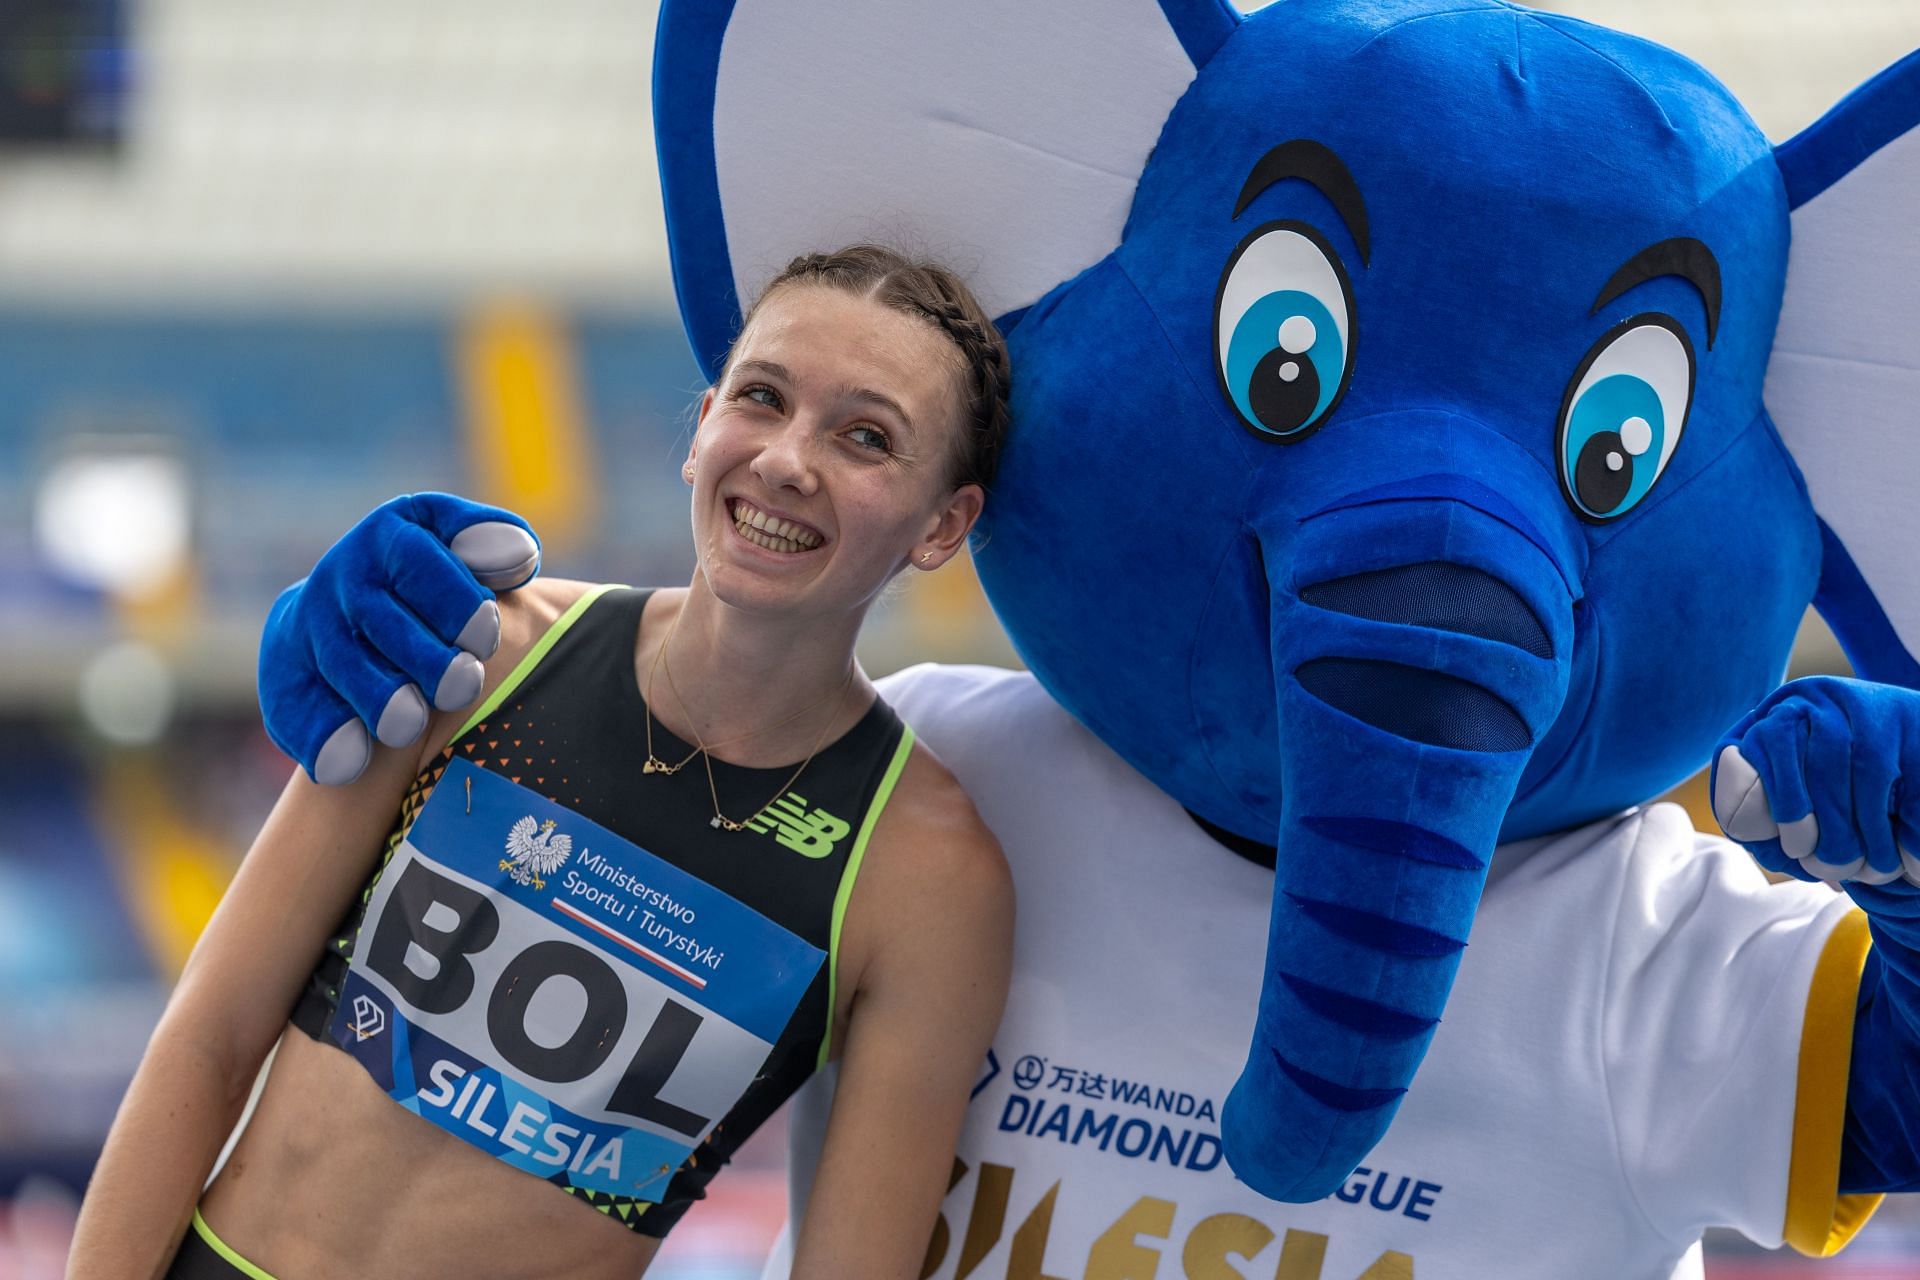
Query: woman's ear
x,y
950,528
693,441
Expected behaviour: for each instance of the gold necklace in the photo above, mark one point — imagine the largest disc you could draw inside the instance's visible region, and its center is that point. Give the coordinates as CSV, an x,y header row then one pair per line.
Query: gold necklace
x,y
701,749
654,764
720,819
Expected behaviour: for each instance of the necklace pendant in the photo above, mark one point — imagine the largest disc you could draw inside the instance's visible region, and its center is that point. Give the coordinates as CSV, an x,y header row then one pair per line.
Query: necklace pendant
x,y
715,822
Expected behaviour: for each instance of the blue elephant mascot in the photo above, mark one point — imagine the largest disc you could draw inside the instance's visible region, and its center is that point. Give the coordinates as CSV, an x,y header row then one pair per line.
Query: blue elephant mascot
x,y
1391,508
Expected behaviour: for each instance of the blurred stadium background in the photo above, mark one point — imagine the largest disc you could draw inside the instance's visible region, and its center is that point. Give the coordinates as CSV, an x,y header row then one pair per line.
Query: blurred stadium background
x,y
264,265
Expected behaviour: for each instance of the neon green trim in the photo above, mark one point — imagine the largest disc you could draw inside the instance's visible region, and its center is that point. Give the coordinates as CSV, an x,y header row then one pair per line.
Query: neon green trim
x,y
534,655
880,798
226,1252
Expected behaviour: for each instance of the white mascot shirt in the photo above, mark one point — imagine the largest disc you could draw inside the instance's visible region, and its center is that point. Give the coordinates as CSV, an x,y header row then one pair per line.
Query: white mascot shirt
x,y
1618,1068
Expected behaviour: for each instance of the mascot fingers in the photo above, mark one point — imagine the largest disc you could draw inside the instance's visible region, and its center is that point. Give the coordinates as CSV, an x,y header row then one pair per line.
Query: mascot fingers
x,y
497,545
1809,783
379,693
430,613
401,604
344,755
309,721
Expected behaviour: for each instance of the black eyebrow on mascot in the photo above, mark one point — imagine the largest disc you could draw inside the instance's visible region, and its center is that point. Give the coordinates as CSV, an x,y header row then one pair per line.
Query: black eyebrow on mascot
x,y
1431,419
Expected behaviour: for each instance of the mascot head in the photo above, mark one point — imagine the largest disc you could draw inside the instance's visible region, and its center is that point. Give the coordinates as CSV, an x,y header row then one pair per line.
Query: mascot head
x,y
1390,473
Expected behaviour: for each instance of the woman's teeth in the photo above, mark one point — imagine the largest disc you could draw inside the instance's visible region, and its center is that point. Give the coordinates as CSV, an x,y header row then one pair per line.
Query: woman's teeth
x,y
763,530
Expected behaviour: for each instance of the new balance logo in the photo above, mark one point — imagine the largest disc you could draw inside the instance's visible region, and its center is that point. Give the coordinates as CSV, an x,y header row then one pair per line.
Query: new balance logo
x,y
811,833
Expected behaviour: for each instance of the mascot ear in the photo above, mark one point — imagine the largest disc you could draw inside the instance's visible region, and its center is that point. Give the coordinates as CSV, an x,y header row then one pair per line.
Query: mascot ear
x,y
1003,136
1843,384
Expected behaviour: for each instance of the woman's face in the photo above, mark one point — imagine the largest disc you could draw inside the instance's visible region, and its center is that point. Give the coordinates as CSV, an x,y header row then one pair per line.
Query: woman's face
x,y
821,464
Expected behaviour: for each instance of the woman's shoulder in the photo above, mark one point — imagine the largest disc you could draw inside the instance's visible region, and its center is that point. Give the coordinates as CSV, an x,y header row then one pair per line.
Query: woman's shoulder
x,y
931,829
936,902
526,614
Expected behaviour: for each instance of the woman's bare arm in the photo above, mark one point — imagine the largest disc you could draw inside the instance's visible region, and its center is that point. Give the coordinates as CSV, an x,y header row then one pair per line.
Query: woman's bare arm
x,y
933,914
312,856
229,1008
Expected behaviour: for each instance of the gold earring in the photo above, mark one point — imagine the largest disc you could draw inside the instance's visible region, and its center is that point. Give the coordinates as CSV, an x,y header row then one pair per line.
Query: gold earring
x,y
686,473
925,556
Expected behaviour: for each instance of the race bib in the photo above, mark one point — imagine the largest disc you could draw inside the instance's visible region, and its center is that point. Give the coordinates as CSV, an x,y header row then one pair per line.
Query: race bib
x,y
557,996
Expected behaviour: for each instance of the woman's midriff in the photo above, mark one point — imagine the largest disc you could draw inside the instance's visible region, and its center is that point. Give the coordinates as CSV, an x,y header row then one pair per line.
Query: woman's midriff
x,y
333,1178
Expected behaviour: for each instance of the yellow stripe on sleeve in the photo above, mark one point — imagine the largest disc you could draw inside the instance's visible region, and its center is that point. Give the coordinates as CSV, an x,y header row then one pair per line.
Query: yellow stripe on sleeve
x,y
1820,1221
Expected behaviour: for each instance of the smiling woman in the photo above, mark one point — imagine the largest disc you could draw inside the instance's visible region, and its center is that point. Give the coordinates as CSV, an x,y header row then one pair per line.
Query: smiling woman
x,y
726,862
826,444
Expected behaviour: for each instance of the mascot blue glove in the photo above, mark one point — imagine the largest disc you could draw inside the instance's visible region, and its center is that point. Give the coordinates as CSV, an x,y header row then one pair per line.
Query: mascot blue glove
x,y
1811,783
404,602
1822,782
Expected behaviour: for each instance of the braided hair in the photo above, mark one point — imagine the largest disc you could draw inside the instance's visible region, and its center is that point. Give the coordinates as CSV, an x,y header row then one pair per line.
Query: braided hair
x,y
933,292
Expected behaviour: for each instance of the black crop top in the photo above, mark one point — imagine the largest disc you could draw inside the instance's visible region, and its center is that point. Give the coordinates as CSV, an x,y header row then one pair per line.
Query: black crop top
x,y
564,961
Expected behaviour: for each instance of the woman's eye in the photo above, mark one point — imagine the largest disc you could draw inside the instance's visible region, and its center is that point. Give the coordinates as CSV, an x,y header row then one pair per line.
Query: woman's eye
x,y
870,437
1622,416
1283,329
762,395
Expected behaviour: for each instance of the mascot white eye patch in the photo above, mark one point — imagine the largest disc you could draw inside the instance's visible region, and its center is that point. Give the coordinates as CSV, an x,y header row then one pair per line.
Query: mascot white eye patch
x,y
1623,415
1283,329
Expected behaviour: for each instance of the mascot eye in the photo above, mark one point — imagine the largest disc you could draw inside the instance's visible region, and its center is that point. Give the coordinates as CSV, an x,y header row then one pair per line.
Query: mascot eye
x,y
1623,415
1283,329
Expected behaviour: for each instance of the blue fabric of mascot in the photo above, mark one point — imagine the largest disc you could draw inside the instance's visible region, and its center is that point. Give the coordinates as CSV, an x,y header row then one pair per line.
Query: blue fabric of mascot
x,y
1390,474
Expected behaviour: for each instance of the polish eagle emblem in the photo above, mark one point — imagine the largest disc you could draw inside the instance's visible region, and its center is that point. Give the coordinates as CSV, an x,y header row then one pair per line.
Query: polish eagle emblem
x,y
533,851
